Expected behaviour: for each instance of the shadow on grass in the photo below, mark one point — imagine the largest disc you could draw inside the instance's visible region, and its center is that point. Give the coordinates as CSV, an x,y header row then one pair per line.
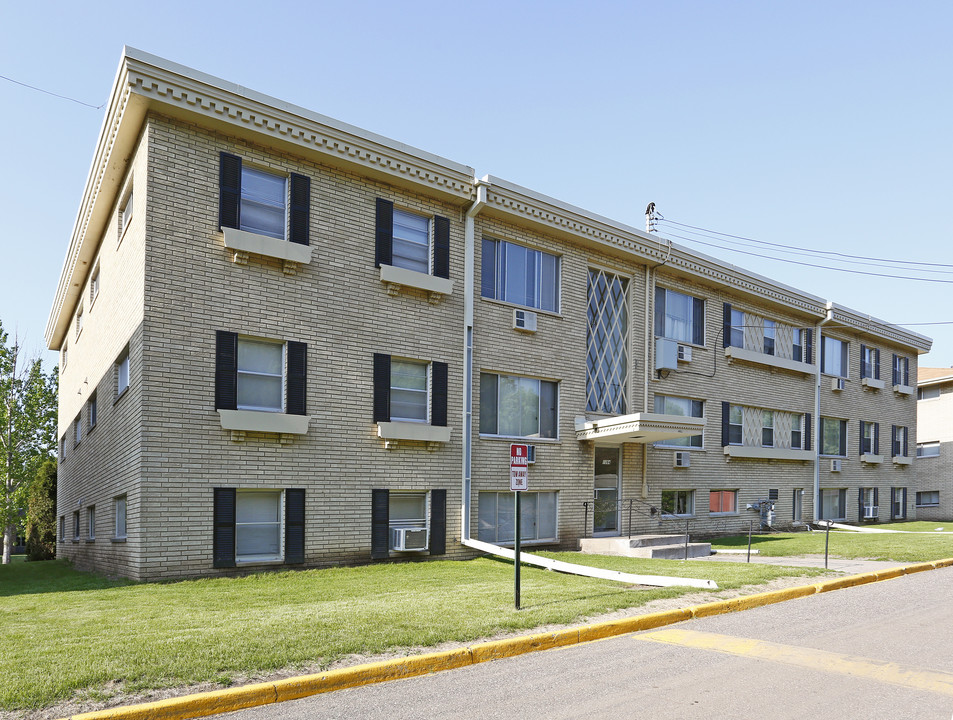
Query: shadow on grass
x,y
50,576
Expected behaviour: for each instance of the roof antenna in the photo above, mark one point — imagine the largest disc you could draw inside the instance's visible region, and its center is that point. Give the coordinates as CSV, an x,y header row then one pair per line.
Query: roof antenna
x,y
651,217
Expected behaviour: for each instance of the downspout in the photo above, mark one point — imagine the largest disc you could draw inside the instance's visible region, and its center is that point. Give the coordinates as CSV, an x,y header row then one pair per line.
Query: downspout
x,y
819,340
646,365
469,287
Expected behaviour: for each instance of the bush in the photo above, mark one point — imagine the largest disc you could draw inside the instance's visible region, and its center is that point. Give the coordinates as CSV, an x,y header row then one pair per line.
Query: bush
x,y
41,514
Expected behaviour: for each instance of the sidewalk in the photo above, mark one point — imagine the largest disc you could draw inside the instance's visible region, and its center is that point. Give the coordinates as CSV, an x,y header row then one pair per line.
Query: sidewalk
x,y
840,564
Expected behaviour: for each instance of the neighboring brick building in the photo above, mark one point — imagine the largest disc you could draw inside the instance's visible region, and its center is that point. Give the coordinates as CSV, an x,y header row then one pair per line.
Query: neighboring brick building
x,y
935,444
286,340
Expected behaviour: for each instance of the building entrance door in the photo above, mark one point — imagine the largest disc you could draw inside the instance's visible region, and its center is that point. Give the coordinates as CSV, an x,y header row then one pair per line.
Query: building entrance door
x,y
606,477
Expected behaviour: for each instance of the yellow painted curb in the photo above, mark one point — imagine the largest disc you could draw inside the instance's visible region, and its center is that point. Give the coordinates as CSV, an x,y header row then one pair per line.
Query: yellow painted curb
x,y
496,649
191,706
845,582
889,573
943,563
918,567
623,626
751,601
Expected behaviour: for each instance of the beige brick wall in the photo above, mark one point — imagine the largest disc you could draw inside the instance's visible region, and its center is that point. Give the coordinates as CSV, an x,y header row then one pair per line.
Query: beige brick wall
x,y
935,424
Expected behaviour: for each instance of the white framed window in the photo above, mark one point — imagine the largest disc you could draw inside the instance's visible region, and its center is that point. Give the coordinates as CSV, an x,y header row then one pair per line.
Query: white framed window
x,y
260,375
770,334
680,503
520,275
797,504
538,519
94,285
62,526
122,373
868,441
91,522
264,198
679,317
901,370
928,498
898,503
869,362
684,407
928,449
925,393
75,525
797,348
409,390
737,329
767,428
258,525
93,410
868,501
514,406
797,431
65,353
834,357
898,442
409,516
833,437
119,517
735,425
79,320
78,430
410,247
125,214
833,504
723,502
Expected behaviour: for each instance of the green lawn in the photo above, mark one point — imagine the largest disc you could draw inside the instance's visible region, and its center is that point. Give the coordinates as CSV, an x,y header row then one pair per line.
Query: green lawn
x,y
63,631
901,547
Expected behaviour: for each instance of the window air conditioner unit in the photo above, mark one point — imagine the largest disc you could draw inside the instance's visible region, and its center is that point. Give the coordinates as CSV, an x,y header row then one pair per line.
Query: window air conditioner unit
x,y
407,539
835,465
837,384
524,320
682,459
870,512
530,454
684,353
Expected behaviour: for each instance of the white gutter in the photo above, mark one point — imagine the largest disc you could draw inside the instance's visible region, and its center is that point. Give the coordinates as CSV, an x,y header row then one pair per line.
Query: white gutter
x,y
819,341
646,365
586,571
469,287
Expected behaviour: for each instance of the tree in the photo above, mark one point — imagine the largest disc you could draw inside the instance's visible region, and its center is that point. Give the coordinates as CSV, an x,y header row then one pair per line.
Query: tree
x,y
41,514
27,431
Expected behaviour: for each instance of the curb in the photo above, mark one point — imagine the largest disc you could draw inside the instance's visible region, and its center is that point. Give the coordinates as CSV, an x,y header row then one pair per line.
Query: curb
x,y
247,696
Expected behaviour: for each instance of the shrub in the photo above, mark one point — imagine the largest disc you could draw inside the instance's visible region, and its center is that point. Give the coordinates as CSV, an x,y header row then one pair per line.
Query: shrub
x,y
41,514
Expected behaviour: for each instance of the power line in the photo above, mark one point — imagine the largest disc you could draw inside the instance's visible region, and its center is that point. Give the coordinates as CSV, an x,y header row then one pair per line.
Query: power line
x,y
62,97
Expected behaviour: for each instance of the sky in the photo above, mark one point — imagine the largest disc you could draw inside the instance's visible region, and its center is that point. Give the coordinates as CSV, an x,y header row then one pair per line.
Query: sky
x,y
809,125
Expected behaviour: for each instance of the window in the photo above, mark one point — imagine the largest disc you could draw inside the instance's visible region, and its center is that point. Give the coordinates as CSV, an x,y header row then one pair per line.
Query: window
x,y
767,428
723,501
63,449
898,503
685,407
411,242
408,513
928,449
260,375
869,438
262,203
518,406
736,332
520,275
65,354
931,393
928,498
735,425
258,525
833,504
122,373
834,357
79,320
679,317
797,504
75,525
62,533
94,285
408,521
402,388
868,503
798,340
125,214
91,522
797,432
770,332
607,342
119,512
833,437
93,410
898,441
869,362
901,370
498,512
678,502
78,430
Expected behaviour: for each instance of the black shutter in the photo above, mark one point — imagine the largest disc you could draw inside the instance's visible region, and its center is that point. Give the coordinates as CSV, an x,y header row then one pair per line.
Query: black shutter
x,y
876,439
894,445
698,321
725,430
438,393
441,247
229,190
300,210
380,524
381,388
906,373
808,429
223,531
903,503
809,346
296,390
384,233
861,439
905,441
226,370
488,269
822,353
860,504
863,349
893,502
726,326
843,438
877,499
893,371
877,364
660,312
438,522
294,526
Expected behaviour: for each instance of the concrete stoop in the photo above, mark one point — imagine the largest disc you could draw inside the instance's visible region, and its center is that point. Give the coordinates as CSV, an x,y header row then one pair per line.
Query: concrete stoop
x,y
670,547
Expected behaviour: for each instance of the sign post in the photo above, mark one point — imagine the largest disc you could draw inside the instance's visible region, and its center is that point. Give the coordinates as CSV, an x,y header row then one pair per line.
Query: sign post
x,y
519,472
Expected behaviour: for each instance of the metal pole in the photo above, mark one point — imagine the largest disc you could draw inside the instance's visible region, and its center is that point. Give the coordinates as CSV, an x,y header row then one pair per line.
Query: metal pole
x,y
686,539
750,523
630,518
516,563
827,541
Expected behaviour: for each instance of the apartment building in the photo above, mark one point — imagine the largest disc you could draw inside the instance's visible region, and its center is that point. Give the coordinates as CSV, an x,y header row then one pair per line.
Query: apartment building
x,y
934,498
288,341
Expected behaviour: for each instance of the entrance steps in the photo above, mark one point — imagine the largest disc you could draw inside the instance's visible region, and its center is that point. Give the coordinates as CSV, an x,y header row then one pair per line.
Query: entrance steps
x,y
670,547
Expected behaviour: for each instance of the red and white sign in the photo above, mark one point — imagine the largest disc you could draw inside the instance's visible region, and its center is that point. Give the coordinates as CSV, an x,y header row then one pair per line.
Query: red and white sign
x,y
519,467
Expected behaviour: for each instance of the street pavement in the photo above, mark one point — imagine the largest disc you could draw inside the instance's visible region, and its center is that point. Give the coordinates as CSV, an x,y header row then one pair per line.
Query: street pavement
x,y
880,650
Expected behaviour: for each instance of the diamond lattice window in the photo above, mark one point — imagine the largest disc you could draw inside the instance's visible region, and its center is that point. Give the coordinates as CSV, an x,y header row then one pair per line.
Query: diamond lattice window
x,y
607,364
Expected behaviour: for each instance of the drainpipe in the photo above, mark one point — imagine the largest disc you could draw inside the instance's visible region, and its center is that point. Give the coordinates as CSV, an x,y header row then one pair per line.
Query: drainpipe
x,y
819,341
469,274
646,365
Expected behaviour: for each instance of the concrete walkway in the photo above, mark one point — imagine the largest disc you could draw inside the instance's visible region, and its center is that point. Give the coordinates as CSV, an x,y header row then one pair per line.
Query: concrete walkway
x,y
840,564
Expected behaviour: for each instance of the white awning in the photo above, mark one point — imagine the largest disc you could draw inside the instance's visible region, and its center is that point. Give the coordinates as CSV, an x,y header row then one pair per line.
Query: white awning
x,y
638,428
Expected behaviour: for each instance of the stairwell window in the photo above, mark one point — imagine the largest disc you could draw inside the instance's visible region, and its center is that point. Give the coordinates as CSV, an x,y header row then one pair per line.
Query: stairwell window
x,y
833,437
122,373
119,518
679,317
834,357
520,275
497,517
770,334
684,407
518,406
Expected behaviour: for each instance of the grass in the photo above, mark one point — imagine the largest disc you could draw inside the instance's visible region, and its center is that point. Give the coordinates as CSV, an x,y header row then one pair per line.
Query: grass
x,y
65,632
853,545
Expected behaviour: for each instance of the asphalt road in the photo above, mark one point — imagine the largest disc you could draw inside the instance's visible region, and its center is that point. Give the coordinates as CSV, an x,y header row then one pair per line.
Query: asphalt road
x,y
882,650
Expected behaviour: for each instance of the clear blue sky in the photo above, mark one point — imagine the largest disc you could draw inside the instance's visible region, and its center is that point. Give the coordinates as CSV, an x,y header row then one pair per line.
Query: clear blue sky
x,y
823,125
